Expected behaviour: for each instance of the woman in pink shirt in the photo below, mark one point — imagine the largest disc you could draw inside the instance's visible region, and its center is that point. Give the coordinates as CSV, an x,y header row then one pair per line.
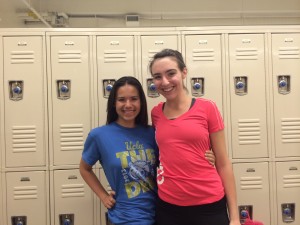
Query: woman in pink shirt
x,y
191,191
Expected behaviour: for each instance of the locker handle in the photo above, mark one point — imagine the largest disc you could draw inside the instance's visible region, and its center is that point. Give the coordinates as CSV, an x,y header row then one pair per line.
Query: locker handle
x,y
159,42
69,43
293,168
288,40
202,42
22,43
25,179
72,177
246,41
114,43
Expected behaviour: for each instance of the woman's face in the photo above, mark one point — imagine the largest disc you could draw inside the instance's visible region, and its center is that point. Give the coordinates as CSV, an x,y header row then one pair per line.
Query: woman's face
x,y
128,105
167,77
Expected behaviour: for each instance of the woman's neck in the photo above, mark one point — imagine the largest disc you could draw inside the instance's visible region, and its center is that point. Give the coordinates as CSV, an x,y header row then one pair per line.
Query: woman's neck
x,y
177,107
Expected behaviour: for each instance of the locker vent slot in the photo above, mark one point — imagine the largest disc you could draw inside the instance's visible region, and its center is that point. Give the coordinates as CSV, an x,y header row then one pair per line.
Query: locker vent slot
x,y
246,54
24,139
70,56
249,131
291,181
115,56
25,192
290,130
71,137
288,53
249,183
22,57
203,55
151,53
72,190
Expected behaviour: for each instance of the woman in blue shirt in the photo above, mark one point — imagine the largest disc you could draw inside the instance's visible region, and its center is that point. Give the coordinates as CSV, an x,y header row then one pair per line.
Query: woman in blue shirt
x,y
127,150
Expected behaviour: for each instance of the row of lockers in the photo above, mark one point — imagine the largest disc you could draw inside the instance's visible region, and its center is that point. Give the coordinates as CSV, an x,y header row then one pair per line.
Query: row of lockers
x,y
55,86
55,89
61,197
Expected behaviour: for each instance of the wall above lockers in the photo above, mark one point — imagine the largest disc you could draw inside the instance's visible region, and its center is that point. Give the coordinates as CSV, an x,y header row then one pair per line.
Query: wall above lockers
x,y
106,13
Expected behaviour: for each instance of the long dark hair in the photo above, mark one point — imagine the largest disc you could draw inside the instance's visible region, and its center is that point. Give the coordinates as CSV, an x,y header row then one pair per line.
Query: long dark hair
x,y
142,117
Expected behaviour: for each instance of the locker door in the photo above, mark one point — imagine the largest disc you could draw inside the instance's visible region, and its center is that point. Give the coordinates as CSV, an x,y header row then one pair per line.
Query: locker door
x,y
73,199
286,92
203,57
71,97
252,185
150,46
2,145
288,192
25,106
2,218
26,197
248,96
115,59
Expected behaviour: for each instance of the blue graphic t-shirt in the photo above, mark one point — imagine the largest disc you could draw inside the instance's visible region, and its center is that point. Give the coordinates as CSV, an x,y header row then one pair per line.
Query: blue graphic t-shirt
x,y
129,159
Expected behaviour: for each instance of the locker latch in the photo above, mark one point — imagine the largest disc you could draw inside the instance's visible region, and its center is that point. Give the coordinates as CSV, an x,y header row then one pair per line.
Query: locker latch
x,y
18,220
241,85
63,89
66,219
16,90
284,86
245,211
288,212
151,89
107,87
197,86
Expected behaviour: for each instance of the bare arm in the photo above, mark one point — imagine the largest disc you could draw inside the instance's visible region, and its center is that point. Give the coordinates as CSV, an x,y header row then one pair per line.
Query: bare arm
x,y
91,179
225,171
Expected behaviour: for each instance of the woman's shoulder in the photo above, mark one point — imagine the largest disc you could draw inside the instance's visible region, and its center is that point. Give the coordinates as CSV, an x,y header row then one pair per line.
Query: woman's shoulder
x,y
157,107
100,129
205,101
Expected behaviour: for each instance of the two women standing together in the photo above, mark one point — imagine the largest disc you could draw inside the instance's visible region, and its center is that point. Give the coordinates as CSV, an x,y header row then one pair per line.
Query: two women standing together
x,y
190,190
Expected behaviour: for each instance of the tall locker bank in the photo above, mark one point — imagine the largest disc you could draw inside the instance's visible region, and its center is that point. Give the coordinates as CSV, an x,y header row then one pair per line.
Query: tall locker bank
x,y
26,194
286,92
203,56
1,200
70,120
288,192
248,115
252,181
50,100
116,57
73,199
247,81
24,100
71,97
25,130
1,134
150,45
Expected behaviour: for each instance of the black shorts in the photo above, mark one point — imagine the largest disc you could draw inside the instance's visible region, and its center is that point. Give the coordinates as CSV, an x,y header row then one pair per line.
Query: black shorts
x,y
208,214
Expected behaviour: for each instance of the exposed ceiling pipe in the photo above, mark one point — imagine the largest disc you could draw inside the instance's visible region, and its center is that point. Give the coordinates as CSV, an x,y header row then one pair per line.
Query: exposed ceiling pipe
x,y
36,13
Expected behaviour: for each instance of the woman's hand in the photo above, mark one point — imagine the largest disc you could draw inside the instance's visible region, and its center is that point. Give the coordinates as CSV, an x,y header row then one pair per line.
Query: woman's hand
x,y
210,156
109,201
